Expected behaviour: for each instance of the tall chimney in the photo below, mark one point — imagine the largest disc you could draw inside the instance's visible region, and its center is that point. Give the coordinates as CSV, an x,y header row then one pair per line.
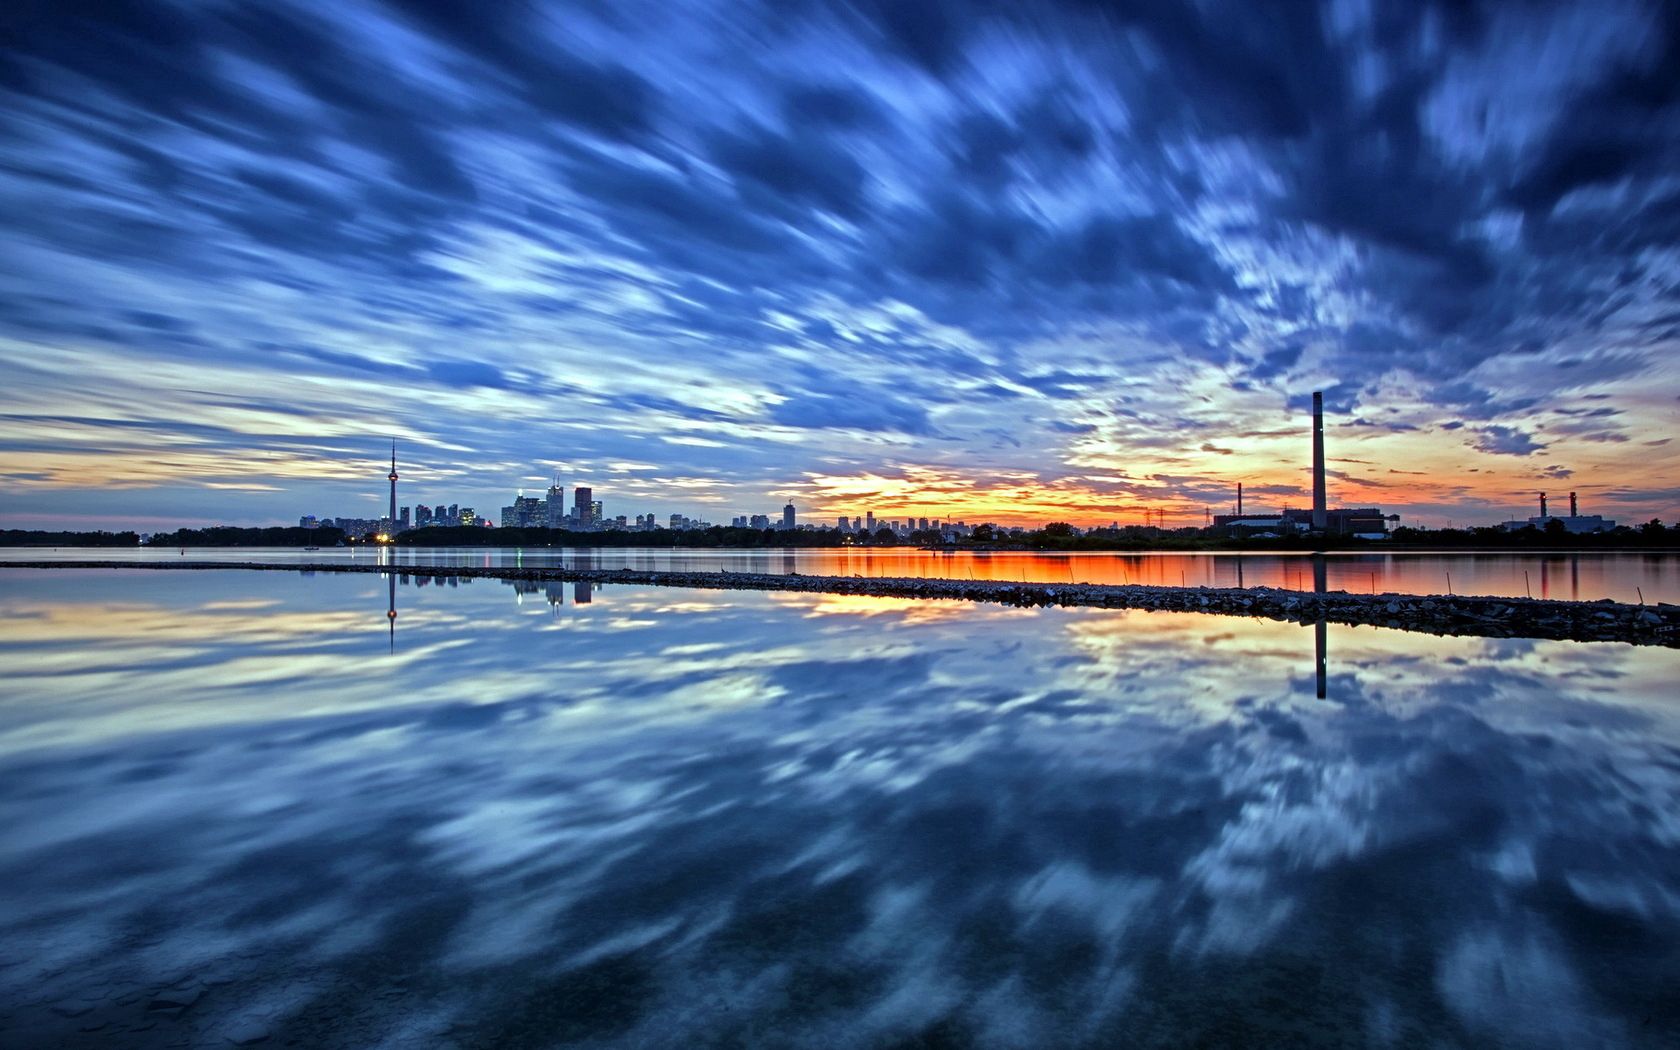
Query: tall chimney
x,y
1572,511
1319,518
1239,499
1542,504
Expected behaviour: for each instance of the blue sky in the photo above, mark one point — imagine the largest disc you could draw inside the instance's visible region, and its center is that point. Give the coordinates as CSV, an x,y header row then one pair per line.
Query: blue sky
x,y
1010,261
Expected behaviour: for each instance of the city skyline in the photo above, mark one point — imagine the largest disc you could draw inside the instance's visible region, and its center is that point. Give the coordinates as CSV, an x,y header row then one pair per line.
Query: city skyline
x,y
1024,263
587,513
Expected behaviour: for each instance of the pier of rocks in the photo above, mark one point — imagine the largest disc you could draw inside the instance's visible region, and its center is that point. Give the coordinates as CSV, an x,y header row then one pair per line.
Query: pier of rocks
x,y
1452,614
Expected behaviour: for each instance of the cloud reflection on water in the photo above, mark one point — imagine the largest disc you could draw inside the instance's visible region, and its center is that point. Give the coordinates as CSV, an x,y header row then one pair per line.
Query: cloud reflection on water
x,y
686,818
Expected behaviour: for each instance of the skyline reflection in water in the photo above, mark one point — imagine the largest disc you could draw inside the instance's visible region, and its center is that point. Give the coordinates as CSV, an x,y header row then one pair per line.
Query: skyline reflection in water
x,y
1623,576
244,804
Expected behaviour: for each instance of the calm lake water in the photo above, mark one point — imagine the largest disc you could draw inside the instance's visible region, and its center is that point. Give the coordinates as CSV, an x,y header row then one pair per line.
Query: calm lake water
x,y
244,805
1623,577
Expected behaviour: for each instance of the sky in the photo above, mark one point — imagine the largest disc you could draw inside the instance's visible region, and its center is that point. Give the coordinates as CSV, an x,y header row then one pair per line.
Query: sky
x,y
1016,262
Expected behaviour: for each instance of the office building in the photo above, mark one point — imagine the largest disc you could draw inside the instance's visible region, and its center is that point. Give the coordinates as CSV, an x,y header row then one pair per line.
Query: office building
x,y
583,505
555,511
532,512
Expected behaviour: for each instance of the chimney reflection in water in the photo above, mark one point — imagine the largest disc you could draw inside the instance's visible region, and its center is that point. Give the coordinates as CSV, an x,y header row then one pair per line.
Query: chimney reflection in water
x,y
1319,630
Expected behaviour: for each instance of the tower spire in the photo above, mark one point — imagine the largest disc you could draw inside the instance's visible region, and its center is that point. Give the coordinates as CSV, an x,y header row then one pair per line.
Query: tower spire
x,y
393,479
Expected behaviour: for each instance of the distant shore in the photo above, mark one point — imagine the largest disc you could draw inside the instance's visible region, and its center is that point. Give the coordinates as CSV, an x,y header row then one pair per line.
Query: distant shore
x,y
1473,615
1652,537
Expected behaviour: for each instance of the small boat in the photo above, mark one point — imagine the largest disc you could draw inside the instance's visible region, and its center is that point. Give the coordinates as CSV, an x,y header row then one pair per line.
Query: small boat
x,y
312,548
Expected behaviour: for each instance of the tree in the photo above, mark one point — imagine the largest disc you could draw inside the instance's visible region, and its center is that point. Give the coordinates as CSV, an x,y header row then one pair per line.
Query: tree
x,y
1059,529
983,533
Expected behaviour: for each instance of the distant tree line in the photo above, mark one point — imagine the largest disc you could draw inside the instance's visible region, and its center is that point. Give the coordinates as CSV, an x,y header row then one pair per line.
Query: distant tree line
x,y
1651,534
228,536
716,536
43,538
1056,536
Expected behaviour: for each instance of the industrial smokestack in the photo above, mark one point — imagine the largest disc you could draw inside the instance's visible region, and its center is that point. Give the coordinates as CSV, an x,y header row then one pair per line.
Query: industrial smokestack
x,y
1319,518
1239,499
1573,513
1542,504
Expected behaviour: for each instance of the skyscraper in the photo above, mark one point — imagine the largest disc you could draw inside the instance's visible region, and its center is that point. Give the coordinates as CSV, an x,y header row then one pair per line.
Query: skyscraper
x,y
583,502
528,511
556,505
788,517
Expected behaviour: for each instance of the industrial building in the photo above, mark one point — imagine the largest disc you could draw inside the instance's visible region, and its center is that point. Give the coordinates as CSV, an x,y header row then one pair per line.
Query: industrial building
x,y
1366,523
1574,522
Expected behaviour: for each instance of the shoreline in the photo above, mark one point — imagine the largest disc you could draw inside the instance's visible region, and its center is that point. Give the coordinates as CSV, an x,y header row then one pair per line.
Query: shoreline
x,y
1469,615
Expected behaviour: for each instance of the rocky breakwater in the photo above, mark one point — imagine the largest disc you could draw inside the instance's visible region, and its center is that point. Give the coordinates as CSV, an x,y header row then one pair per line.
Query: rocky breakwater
x,y
1491,617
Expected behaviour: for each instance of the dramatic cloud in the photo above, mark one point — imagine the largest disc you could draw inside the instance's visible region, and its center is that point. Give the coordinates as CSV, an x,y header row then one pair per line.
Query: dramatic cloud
x,y
1507,442
1014,248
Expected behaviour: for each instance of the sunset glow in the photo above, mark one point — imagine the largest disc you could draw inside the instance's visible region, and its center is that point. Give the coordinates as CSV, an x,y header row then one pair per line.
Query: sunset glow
x,y
1017,264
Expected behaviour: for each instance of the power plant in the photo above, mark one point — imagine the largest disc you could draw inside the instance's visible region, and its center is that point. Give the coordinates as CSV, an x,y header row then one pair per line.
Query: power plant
x,y
1575,522
1366,523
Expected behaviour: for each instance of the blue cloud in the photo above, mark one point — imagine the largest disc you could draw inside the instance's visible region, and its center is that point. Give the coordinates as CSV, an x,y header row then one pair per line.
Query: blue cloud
x,y
1506,441
589,228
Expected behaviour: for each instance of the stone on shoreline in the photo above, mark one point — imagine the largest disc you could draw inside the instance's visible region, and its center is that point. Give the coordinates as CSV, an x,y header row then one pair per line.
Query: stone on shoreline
x,y
1454,614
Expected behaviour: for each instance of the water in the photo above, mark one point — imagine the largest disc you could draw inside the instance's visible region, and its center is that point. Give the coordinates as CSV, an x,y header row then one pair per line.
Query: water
x,y
534,815
1623,577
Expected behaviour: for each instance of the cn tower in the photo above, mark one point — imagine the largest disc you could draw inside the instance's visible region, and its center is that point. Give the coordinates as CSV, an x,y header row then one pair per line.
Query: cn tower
x,y
393,477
